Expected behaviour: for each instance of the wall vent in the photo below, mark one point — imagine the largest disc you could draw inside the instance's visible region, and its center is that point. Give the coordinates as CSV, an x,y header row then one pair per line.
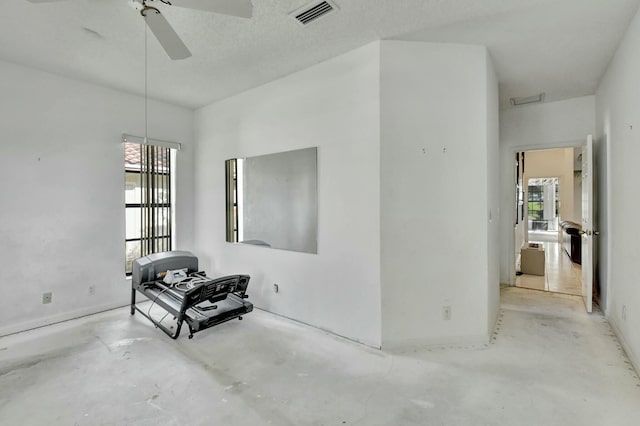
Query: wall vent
x,y
527,100
311,12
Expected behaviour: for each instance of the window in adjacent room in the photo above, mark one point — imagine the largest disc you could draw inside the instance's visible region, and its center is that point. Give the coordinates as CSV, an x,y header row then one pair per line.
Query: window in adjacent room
x,y
543,204
148,200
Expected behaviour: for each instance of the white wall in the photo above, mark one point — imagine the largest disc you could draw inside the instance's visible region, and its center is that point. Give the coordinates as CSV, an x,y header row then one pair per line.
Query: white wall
x,y
400,127
434,194
618,121
549,125
62,189
335,106
554,163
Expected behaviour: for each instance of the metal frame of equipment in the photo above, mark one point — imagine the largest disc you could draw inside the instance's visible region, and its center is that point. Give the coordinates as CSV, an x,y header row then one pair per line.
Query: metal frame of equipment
x,y
209,302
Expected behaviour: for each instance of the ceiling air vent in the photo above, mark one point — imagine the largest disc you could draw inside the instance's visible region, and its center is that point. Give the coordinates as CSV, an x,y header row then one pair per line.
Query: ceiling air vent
x,y
311,12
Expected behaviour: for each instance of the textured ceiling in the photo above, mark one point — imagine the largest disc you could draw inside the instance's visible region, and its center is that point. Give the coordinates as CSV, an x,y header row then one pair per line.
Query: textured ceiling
x,y
557,46
561,48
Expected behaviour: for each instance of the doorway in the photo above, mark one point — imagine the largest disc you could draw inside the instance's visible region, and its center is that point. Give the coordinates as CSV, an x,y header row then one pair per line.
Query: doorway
x,y
549,209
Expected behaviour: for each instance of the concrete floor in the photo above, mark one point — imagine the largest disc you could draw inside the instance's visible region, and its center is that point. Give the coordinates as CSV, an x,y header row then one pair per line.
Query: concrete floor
x,y
549,363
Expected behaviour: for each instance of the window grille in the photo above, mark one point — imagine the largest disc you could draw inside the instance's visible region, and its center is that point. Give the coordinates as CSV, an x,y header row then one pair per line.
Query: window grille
x,y
149,200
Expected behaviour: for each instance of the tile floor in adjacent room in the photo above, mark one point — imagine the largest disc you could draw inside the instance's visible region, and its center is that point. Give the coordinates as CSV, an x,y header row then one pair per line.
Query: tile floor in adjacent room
x,y
561,274
549,363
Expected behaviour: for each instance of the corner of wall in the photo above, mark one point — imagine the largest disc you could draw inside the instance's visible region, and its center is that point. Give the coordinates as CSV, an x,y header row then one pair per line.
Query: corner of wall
x,y
334,106
425,160
634,358
493,195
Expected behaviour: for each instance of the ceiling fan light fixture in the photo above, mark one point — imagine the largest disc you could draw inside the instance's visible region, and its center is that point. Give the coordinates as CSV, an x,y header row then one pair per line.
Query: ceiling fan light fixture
x,y
539,98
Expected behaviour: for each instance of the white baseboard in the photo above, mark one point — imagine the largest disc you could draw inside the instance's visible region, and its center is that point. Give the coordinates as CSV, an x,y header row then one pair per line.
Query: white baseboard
x,y
633,357
60,317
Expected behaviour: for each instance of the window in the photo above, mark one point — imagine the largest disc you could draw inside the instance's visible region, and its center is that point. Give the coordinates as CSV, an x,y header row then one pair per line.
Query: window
x,y
148,200
543,204
232,167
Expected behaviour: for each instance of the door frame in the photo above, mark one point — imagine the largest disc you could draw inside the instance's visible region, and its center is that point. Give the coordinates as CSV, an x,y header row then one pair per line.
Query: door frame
x,y
512,150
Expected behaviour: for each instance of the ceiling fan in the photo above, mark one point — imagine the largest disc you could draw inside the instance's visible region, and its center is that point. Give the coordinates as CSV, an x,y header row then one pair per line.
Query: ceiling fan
x,y
162,30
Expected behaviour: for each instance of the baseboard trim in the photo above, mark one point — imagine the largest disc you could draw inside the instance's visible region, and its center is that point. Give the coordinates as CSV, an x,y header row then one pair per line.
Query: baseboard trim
x,y
633,358
58,318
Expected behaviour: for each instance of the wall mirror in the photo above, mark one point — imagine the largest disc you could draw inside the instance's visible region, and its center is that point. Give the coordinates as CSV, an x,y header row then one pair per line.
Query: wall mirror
x,y
272,200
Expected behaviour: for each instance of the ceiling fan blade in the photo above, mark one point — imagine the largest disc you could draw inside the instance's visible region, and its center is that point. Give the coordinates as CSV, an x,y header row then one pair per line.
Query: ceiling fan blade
x,y
239,8
165,34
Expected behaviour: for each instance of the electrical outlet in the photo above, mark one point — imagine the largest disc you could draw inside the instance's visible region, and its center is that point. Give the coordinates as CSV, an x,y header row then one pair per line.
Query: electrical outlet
x,y
92,290
276,288
624,312
47,297
446,313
